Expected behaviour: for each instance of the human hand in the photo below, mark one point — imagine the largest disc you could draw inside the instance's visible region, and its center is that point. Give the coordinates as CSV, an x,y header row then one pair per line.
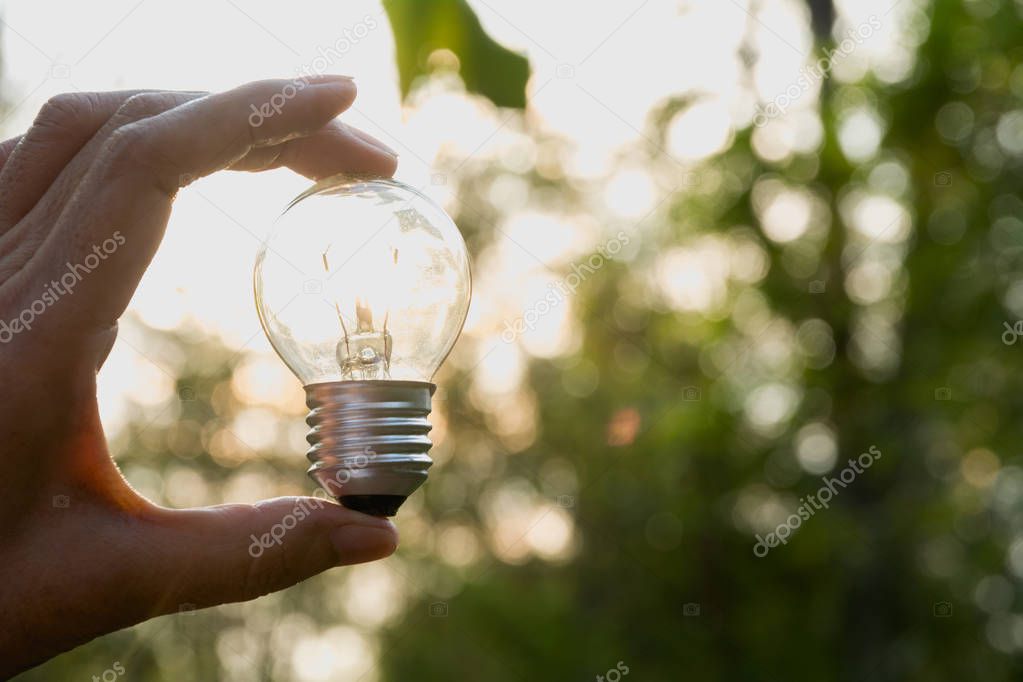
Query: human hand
x,y
89,189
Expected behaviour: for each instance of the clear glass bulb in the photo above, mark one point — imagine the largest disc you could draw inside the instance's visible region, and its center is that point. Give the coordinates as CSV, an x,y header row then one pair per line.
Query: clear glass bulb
x,y
363,279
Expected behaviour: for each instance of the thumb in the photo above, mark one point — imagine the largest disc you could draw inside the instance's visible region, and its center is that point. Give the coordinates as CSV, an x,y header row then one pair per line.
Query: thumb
x,y
214,555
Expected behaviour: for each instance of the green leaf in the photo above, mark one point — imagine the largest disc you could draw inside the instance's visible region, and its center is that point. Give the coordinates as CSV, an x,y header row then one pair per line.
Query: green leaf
x,y
487,68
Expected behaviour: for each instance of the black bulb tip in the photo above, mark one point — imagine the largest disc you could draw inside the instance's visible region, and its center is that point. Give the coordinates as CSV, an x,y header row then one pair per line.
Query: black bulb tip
x,y
374,505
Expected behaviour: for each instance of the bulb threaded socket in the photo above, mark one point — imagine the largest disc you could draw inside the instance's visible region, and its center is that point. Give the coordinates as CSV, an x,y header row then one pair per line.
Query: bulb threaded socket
x,y
369,441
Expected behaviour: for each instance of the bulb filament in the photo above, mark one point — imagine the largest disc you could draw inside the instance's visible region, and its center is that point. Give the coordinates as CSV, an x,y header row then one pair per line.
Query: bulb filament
x,y
365,353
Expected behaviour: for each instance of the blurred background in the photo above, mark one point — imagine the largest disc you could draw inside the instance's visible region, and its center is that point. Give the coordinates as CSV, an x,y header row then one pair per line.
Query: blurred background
x,y
721,248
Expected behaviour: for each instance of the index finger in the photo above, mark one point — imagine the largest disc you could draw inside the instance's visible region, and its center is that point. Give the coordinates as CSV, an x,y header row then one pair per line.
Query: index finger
x,y
125,198
212,132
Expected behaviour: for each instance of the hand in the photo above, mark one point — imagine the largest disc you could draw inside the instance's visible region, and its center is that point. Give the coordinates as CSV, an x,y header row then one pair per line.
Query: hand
x,y
88,189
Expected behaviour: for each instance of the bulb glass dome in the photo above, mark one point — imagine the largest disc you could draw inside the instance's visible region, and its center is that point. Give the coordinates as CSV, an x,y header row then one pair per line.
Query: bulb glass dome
x,y
363,279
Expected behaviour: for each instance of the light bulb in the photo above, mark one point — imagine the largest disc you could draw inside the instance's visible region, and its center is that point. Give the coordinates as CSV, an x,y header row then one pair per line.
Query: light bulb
x,y
362,289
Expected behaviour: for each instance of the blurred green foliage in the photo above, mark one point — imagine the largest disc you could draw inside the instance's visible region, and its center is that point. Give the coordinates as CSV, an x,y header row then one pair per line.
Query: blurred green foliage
x,y
860,591
487,68
644,438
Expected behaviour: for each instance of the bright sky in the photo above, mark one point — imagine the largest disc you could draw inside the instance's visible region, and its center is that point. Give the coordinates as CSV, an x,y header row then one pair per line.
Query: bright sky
x,y
203,271
592,86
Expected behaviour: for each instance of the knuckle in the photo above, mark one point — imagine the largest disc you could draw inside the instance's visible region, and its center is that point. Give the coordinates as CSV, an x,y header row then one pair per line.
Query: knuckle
x,y
144,104
125,145
130,152
139,104
64,109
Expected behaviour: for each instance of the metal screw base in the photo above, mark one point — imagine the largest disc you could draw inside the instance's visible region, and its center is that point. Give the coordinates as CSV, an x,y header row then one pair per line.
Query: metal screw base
x,y
369,441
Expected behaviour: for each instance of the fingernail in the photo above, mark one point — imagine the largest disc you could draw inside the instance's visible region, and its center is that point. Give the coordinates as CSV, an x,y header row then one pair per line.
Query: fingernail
x,y
372,141
336,87
357,544
327,78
